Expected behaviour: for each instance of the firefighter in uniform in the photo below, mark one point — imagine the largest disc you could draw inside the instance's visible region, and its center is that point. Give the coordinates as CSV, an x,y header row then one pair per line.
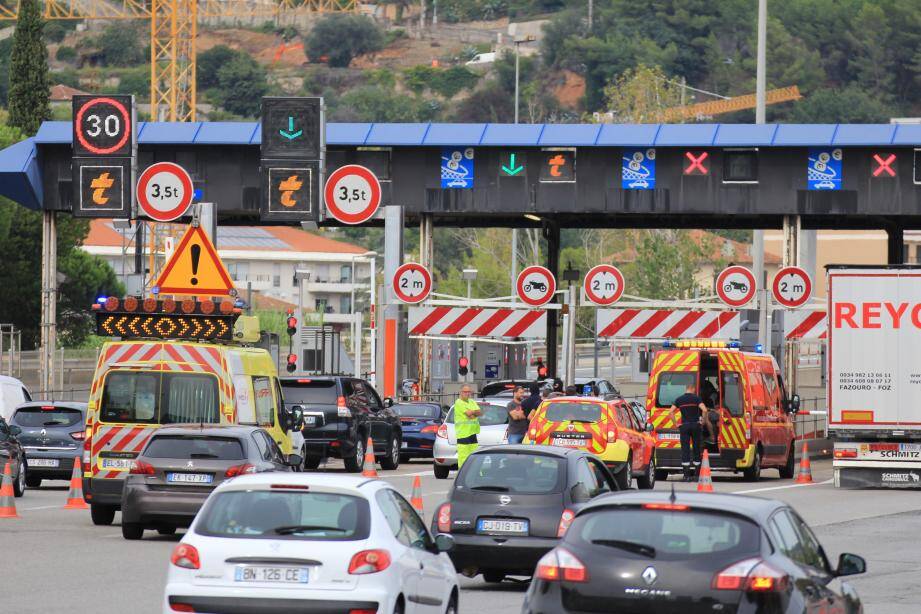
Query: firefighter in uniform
x,y
692,410
467,414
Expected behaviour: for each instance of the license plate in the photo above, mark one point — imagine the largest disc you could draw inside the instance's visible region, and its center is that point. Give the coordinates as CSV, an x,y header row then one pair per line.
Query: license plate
x,y
118,464
567,443
669,436
44,462
310,420
405,444
502,527
189,478
275,575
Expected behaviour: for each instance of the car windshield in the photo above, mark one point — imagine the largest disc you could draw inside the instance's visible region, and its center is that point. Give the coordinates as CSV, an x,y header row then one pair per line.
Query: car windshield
x,y
41,417
159,398
572,412
672,385
309,392
667,534
187,448
492,415
512,473
411,410
289,514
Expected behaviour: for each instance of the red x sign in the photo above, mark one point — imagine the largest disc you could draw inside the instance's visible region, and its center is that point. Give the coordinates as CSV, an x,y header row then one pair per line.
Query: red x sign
x,y
696,166
884,165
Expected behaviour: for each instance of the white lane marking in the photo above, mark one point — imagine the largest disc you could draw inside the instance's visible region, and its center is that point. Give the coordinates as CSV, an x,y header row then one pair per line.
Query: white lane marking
x,y
437,492
410,475
745,492
44,507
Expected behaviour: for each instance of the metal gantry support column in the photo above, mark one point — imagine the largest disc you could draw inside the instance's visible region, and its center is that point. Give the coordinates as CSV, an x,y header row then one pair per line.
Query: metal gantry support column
x,y
552,235
49,302
791,257
426,259
389,361
895,248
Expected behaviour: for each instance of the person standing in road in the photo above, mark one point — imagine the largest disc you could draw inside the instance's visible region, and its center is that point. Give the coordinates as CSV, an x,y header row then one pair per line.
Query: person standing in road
x,y
532,402
467,414
692,410
517,418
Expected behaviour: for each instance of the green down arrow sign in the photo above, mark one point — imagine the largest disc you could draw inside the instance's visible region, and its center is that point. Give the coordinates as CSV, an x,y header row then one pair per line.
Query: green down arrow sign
x,y
512,168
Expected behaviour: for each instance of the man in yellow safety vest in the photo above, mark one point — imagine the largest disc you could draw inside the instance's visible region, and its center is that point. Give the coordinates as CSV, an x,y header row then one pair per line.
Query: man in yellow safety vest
x,y
467,414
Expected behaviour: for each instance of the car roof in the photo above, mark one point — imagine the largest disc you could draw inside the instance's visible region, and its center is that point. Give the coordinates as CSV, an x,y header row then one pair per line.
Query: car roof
x,y
218,430
577,398
325,481
757,508
534,449
64,404
429,403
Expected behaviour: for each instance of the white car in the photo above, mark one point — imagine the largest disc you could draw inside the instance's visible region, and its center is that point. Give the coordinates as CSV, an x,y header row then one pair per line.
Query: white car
x,y
308,542
493,432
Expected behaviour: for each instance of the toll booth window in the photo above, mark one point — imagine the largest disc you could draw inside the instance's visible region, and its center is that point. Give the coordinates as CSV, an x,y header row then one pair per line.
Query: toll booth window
x,y
732,393
740,166
265,404
672,385
130,396
189,398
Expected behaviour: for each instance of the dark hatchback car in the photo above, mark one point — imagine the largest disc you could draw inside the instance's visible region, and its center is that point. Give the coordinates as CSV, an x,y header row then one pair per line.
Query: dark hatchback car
x,y
688,554
511,504
180,466
52,437
420,422
339,414
11,452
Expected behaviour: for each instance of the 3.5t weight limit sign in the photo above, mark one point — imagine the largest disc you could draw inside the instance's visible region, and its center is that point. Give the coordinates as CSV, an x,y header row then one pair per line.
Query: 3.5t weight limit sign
x,y
604,285
412,283
352,194
103,126
792,287
164,191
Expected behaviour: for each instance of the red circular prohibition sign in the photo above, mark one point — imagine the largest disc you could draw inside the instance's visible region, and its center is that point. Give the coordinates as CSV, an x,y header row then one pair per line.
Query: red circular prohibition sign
x,y
330,188
806,293
184,179
598,270
121,110
426,280
721,290
550,280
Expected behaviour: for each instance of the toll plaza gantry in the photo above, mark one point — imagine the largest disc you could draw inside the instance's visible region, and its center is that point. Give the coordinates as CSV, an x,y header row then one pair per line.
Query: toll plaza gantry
x,y
550,176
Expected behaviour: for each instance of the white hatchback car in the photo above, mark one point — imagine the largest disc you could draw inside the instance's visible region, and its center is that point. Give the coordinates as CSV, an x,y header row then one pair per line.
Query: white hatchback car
x,y
493,432
307,542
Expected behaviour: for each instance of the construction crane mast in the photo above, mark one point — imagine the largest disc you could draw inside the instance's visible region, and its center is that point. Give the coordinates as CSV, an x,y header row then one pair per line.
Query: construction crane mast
x,y
173,29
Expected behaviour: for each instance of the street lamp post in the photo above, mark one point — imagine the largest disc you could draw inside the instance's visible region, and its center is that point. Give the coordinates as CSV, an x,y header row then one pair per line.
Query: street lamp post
x,y
518,42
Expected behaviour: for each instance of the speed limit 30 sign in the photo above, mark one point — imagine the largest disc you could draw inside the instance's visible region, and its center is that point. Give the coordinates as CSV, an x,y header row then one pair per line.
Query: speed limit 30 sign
x,y
412,283
352,194
164,191
103,126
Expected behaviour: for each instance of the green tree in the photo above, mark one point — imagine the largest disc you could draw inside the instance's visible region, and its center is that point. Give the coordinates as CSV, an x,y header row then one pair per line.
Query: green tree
x,y
29,87
847,105
641,95
119,45
241,86
373,103
340,37
209,62
65,54
665,264
872,63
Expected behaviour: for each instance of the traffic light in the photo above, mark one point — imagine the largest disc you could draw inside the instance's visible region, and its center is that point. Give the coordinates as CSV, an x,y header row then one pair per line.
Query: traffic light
x,y
292,363
541,370
292,324
462,363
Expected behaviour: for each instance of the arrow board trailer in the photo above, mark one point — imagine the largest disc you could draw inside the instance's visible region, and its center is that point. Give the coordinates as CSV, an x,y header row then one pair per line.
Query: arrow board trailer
x,y
874,375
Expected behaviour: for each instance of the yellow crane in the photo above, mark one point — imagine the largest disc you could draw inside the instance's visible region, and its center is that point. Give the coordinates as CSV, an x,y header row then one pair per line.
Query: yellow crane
x,y
173,28
729,105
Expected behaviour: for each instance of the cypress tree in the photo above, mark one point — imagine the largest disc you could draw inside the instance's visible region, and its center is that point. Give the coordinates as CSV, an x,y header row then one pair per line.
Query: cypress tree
x,y
29,86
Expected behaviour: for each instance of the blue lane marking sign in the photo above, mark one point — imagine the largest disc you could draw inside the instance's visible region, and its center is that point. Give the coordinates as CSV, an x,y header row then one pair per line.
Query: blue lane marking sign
x,y
638,171
823,171
457,167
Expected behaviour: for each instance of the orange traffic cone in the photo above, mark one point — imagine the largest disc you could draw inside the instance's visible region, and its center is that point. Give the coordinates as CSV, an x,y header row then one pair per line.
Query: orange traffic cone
x,y
805,468
75,496
368,469
704,481
416,499
7,501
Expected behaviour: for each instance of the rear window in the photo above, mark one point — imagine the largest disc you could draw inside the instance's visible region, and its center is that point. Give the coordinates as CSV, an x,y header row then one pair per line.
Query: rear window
x,y
673,384
534,474
36,416
159,398
217,448
496,388
310,392
290,514
673,535
492,415
418,411
573,412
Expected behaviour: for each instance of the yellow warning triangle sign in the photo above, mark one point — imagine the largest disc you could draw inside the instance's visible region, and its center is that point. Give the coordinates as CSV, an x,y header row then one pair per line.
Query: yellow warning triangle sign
x,y
195,268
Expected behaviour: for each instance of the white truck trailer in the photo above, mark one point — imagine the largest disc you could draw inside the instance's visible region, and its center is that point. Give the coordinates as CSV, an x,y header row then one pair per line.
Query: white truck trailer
x,y
874,375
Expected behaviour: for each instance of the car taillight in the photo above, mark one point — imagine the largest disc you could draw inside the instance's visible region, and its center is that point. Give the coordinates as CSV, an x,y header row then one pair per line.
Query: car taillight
x,y
186,556
612,434
369,561
748,426
87,446
560,564
342,409
668,507
78,435
532,434
139,467
444,518
236,470
432,428
565,521
752,576
846,453
442,431
181,607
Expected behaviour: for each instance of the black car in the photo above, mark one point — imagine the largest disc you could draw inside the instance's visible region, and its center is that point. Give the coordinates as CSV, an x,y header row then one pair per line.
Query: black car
x,y
11,452
52,437
689,553
511,504
181,464
339,414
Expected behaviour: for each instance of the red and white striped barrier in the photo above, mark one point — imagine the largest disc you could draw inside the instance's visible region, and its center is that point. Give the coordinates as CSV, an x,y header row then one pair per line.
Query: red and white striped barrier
x,y
478,322
800,325
668,324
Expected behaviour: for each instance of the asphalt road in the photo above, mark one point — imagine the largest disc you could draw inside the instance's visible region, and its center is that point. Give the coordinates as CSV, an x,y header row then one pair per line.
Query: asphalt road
x,y
54,560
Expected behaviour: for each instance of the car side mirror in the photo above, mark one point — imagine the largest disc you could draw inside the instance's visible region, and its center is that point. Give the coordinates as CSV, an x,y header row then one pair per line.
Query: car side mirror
x,y
850,565
388,402
294,460
444,542
649,427
15,430
794,403
297,416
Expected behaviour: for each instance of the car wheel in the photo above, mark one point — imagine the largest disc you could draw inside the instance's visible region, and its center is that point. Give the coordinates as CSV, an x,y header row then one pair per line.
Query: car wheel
x,y
392,459
452,605
789,469
102,515
132,531
648,480
33,482
405,458
399,608
441,472
753,473
661,475
19,486
493,577
354,462
624,477
166,530
312,462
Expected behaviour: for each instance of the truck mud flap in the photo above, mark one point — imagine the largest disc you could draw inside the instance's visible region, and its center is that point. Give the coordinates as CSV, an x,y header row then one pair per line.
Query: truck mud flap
x,y
878,478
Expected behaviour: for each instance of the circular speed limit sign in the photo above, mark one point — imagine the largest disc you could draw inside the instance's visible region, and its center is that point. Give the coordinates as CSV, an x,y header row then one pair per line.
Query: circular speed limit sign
x,y
164,191
604,284
792,287
412,283
535,285
735,285
352,194
102,125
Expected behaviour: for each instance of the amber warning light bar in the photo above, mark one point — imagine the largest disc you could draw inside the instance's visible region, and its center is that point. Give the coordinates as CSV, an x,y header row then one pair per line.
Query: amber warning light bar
x,y
150,318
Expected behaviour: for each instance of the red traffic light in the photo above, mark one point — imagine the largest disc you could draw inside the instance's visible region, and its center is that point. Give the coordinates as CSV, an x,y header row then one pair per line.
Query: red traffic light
x,y
462,363
292,325
292,363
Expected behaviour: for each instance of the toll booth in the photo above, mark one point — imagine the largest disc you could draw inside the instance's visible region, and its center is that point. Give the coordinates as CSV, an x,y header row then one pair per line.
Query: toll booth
x,y
323,352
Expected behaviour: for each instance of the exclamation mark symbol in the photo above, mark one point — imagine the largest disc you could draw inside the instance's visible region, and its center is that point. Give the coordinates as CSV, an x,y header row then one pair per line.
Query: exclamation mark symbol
x,y
196,254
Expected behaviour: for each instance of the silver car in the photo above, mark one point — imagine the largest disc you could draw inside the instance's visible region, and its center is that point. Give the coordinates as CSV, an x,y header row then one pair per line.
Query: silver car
x,y
493,432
